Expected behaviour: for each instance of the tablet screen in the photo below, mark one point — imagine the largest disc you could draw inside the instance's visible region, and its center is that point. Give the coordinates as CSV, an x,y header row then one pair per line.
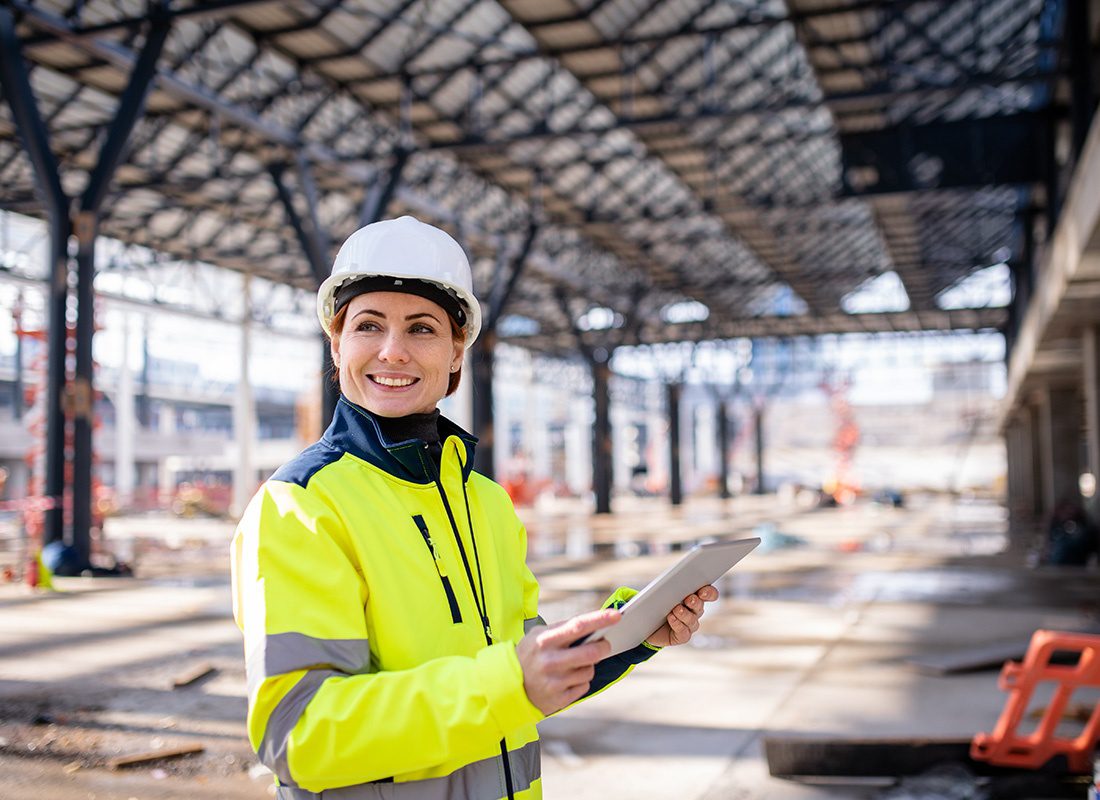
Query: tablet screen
x,y
645,613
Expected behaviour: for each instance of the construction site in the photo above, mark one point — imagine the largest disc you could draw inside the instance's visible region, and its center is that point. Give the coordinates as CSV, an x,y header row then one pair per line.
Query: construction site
x,y
818,273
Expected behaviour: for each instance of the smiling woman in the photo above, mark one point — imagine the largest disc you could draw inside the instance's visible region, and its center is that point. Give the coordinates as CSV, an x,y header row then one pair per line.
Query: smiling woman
x,y
391,623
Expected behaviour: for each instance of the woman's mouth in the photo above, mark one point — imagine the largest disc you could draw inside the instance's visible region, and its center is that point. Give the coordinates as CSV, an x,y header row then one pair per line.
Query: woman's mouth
x,y
395,383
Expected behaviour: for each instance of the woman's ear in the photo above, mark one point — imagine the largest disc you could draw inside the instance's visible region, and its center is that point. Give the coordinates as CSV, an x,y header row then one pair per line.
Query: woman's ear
x,y
334,349
459,353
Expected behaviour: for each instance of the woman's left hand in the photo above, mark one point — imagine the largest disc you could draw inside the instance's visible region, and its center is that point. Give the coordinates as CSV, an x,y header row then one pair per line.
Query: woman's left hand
x,y
683,620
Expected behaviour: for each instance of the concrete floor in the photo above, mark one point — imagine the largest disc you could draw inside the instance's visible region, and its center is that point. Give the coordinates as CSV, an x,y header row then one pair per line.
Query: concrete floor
x,y
812,636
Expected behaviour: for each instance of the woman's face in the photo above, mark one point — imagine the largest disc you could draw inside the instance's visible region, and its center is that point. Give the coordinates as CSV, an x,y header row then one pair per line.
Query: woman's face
x,y
395,353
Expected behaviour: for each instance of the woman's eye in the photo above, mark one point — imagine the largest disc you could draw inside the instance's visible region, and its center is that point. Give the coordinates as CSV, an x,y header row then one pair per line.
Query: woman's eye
x,y
367,326
420,327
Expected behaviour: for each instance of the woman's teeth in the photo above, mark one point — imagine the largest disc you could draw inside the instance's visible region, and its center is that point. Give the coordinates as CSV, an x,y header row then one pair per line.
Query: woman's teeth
x,y
393,381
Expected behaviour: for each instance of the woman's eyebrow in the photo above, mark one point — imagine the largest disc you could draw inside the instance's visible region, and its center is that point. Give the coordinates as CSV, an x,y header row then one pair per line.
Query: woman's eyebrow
x,y
369,311
427,314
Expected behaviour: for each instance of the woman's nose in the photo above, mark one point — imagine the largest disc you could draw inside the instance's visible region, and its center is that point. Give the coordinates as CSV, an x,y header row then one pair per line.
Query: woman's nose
x,y
394,350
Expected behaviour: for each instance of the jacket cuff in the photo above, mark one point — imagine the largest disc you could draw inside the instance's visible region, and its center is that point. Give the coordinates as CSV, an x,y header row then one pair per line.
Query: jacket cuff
x,y
501,680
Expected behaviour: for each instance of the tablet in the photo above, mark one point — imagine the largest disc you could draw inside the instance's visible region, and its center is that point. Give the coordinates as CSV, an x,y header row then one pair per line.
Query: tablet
x,y
646,611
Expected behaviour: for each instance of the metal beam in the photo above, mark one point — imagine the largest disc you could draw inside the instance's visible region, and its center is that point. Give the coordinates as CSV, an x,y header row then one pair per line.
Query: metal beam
x,y
502,289
965,319
768,108
749,22
316,246
215,8
130,107
482,358
35,137
377,198
122,58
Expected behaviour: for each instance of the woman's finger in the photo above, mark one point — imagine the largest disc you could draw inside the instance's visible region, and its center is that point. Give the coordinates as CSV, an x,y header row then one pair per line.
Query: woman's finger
x,y
687,617
708,594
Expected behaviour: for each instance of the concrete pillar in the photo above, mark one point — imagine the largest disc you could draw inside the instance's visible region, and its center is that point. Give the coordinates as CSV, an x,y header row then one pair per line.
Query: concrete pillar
x,y
1022,479
244,412
1091,382
125,421
1059,440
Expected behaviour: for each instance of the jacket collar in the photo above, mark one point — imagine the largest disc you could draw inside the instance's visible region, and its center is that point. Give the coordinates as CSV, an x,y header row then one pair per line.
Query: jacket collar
x,y
355,430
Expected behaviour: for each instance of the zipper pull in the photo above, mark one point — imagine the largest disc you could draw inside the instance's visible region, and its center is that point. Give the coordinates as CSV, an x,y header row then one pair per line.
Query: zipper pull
x,y
488,630
438,561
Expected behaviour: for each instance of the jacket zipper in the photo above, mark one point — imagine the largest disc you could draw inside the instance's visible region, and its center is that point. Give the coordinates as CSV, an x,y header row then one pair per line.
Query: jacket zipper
x,y
473,590
452,601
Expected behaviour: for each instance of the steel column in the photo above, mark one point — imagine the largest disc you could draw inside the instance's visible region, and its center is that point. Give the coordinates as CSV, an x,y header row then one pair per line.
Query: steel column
x,y
35,138
481,359
143,399
17,384
675,481
723,450
758,427
601,432
378,197
131,106
316,247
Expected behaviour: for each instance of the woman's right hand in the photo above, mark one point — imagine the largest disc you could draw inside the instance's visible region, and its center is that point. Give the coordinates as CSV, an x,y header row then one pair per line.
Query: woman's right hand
x,y
555,674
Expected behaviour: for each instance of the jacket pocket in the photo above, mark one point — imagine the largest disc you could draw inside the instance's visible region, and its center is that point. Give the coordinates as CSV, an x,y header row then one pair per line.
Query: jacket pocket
x,y
452,601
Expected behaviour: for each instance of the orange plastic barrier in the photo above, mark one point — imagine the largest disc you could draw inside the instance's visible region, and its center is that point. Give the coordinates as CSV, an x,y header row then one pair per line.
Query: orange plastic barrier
x,y
1004,746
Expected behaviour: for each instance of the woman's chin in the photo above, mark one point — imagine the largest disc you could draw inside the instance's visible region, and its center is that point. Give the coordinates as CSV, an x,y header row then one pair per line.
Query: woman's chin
x,y
394,404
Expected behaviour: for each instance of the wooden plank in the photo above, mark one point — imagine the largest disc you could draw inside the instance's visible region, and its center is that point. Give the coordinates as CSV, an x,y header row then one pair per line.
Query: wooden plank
x,y
196,673
136,759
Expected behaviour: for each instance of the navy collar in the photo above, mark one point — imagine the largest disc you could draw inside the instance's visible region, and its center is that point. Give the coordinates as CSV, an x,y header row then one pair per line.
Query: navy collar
x,y
355,430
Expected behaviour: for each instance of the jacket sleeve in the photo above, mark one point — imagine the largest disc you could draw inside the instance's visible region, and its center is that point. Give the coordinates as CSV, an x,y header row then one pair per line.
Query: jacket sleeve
x,y
317,716
614,668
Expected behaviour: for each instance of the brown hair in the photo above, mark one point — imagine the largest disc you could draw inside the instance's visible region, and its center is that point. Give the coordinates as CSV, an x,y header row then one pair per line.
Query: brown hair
x,y
457,335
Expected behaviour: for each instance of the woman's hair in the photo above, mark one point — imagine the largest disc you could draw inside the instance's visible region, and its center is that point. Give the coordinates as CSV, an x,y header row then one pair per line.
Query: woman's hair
x,y
457,335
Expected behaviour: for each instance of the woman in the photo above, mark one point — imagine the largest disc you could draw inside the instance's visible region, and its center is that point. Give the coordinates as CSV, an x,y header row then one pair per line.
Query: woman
x,y
392,638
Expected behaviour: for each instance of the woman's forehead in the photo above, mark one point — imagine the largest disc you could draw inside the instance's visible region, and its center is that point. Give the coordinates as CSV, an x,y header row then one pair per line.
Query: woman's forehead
x,y
395,303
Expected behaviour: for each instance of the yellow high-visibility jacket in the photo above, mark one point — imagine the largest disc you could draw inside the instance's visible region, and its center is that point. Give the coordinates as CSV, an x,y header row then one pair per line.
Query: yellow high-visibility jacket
x,y
381,596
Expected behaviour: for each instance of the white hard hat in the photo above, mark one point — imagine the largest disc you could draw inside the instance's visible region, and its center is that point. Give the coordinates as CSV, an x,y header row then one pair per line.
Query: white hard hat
x,y
404,249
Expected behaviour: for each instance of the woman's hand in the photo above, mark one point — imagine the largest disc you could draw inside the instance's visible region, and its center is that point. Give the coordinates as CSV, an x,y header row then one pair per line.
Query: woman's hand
x,y
683,620
555,674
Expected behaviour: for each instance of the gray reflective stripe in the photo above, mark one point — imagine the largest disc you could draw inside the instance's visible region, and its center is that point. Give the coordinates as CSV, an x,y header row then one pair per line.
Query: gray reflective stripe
x,y
482,780
272,750
280,653
528,624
